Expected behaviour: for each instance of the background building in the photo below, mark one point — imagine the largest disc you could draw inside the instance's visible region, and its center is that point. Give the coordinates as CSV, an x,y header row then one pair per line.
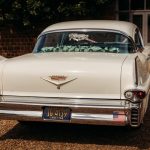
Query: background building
x,y
138,12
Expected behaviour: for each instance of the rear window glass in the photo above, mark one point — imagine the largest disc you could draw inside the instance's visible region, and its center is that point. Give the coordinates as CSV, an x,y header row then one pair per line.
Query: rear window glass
x,y
89,41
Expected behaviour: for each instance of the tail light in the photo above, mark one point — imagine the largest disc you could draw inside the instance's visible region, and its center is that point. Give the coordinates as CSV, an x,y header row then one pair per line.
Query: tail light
x,y
135,95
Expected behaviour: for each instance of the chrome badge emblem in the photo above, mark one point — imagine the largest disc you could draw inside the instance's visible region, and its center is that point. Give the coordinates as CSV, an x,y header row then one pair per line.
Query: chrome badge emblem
x,y
58,80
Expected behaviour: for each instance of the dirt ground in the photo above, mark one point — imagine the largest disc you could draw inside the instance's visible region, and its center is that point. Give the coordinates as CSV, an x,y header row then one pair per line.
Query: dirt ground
x,y
49,136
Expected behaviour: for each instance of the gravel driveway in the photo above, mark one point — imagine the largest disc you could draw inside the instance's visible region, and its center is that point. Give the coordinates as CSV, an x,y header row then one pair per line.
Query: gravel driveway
x,y
48,136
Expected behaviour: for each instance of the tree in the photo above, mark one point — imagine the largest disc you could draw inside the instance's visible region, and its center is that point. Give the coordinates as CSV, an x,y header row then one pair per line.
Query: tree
x,y
32,13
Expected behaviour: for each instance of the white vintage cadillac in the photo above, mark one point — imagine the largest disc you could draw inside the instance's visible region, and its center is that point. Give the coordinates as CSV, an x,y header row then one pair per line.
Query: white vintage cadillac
x,y
86,72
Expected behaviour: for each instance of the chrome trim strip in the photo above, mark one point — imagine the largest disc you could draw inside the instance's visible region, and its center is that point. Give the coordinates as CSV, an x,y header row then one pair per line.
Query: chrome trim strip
x,y
21,113
136,80
81,118
66,105
65,101
92,116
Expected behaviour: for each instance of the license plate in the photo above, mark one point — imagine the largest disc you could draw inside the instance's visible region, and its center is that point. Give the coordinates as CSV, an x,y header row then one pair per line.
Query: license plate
x,y
56,113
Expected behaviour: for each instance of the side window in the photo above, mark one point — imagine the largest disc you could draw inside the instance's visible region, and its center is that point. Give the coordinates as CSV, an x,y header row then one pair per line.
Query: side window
x,y
138,39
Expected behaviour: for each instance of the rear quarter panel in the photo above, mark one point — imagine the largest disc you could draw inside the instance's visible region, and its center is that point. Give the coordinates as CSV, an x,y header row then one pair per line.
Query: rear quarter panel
x,y
135,74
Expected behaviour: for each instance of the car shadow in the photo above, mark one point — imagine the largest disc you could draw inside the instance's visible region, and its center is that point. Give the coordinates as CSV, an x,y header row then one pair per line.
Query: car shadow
x,y
83,134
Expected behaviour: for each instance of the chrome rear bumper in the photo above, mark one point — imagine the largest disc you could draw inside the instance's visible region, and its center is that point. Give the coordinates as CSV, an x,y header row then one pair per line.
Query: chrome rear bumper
x,y
81,114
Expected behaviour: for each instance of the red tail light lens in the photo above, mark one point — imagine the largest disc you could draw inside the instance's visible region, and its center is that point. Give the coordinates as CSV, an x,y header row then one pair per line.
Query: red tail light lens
x,y
135,95
140,94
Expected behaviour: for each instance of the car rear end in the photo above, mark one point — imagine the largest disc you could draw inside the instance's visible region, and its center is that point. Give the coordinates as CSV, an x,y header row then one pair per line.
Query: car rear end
x,y
93,97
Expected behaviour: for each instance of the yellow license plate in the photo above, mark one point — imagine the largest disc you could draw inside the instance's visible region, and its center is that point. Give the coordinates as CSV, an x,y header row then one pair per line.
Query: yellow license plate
x,y
56,113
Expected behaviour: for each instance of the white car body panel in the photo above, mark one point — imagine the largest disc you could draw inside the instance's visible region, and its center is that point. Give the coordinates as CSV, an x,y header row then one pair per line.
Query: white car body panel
x,y
94,79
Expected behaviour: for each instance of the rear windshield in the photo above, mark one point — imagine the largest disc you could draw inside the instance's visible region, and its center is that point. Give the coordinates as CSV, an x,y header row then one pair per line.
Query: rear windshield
x,y
89,41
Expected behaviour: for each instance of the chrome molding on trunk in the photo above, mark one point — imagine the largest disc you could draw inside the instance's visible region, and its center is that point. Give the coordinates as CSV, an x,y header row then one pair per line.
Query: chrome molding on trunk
x,y
65,101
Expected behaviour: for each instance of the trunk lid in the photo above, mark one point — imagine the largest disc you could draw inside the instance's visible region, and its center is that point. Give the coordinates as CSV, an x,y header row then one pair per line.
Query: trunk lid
x,y
82,75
